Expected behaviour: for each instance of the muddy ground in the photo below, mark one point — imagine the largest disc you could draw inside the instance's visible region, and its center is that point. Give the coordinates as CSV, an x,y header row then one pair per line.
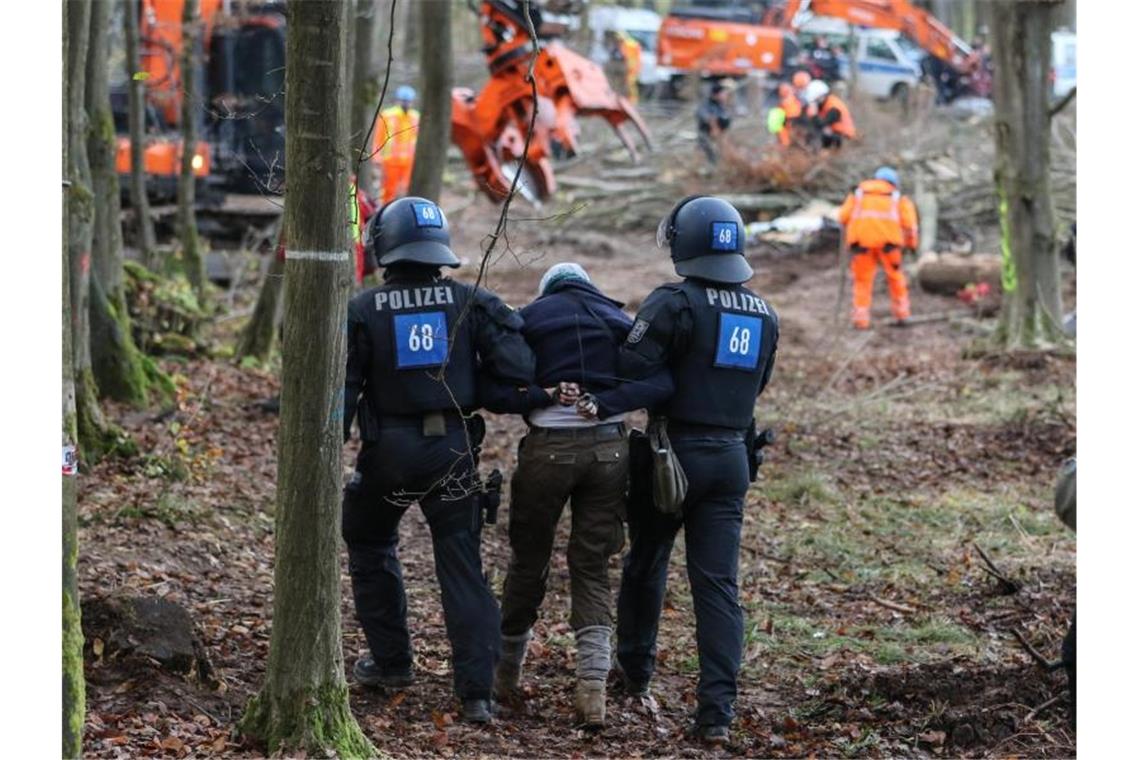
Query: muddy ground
x,y
872,628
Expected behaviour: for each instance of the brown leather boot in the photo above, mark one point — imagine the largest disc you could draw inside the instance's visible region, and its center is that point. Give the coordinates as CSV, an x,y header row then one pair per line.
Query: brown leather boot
x,y
590,703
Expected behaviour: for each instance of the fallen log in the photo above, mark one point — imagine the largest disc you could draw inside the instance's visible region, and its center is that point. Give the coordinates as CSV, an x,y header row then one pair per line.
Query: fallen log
x,y
948,273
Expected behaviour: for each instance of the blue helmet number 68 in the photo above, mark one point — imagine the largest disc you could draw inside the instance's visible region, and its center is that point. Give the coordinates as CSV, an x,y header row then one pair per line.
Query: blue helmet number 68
x,y
724,236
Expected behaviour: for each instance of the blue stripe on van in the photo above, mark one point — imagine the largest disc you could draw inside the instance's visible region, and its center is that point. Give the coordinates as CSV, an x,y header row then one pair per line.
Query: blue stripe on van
x,y
886,68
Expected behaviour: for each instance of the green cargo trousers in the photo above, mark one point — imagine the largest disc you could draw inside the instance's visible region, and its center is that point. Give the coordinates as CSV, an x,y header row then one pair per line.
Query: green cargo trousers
x,y
590,468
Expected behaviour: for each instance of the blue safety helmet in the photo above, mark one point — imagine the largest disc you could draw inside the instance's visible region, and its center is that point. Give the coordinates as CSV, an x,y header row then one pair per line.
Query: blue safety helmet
x,y
405,93
887,174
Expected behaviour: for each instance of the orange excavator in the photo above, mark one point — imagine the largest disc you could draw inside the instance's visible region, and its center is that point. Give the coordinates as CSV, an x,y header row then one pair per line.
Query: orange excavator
x,y
490,126
918,25
733,37
241,81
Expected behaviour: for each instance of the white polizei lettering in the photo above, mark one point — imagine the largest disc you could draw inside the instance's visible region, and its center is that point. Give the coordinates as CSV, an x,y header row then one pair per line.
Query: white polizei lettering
x,y
450,296
316,255
442,295
381,299
397,299
713,296
419,296
429,297
725,299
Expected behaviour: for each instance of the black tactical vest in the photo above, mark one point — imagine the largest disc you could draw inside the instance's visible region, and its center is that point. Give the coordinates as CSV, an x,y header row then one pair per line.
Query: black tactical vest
x,y
718,378
412,325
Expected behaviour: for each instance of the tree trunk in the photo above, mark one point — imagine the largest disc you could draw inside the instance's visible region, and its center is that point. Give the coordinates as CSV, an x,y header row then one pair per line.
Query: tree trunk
x,y
73,685
118,365
136,88
303,705
193,263
365,91
257,337
95,437
411,30
435,123
1031,307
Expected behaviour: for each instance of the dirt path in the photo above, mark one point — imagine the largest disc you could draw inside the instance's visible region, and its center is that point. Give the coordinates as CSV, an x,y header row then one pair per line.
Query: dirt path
x,y
871,629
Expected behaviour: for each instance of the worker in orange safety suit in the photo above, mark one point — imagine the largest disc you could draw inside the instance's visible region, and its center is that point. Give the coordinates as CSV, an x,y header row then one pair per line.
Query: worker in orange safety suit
x,y
880,222
831,117
793,112
632,53
394,142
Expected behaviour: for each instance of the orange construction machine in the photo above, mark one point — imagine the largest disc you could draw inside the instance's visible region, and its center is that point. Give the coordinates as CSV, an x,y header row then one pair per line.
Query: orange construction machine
x,y
490,126
241,78
733,37
718,38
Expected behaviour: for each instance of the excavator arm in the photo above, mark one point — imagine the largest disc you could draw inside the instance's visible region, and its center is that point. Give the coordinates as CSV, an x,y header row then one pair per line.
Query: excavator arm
x,y
917,24
490,126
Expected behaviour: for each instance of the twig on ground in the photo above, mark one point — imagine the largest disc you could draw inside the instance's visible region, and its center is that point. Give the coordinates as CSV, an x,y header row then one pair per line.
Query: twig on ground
x,y
1043,706
1037,656
892,605
1010,586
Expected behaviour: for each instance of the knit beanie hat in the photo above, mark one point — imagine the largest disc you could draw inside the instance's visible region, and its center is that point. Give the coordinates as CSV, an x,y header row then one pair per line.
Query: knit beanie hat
x,y
567,270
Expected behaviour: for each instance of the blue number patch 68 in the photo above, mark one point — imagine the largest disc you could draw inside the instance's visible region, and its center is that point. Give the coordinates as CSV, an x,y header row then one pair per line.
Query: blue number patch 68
x,y
738,341
724,236
421,339
427,215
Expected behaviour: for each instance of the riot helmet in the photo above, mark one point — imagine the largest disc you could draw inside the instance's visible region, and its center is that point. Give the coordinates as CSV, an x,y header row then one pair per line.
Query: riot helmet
x,y
706,240
410,229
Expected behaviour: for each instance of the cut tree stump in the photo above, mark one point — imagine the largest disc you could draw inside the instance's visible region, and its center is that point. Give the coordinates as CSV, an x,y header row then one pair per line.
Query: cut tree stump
x,y
146,629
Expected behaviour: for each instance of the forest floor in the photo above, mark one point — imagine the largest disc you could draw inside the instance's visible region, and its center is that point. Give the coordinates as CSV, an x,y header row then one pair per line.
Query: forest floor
x,y
872,628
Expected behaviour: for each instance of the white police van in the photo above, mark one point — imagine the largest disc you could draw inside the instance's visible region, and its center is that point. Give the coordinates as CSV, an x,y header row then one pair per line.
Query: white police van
x,y
890,65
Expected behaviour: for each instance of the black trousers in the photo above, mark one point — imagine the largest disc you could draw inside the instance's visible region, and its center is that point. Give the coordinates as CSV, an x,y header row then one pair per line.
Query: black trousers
x,y
717,468
401,468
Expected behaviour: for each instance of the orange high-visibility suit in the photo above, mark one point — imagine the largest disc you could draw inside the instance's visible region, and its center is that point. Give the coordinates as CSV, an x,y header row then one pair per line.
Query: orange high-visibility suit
x,y
395,144
880,222
835,122
631,51
793,110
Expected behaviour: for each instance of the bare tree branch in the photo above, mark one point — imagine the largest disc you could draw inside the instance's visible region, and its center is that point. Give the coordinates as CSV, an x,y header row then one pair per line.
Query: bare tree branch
x,y
1063,102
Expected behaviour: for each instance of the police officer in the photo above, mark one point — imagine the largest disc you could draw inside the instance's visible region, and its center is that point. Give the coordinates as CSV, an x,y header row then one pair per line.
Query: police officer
x,y
719,340
415,344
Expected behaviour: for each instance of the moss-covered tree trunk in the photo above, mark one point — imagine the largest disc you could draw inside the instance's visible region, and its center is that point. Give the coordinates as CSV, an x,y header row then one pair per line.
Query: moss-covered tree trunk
x,y
120,371
1031,301
435,127
136,88
193,262
73,685
303,705
95,436
257,338
365,90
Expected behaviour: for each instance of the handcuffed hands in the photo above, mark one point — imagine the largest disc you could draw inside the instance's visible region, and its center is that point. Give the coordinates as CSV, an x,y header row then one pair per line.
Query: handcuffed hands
x,y
564,393
587,406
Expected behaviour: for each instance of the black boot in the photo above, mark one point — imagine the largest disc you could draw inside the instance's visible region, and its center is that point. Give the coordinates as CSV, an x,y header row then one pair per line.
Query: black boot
x,y
477,710
368,673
